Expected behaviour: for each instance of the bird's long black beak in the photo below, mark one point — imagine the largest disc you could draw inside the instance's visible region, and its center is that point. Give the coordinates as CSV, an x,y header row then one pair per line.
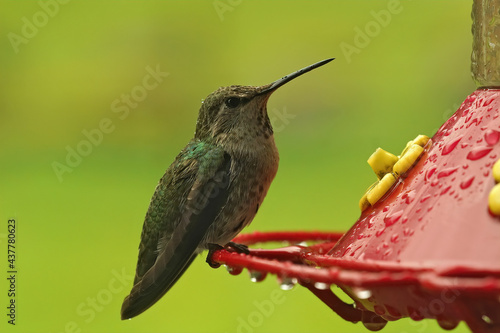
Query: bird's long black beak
x,y
278,83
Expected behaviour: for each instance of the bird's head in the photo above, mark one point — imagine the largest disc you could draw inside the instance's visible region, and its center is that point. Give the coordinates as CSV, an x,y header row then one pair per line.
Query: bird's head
x,y
240,111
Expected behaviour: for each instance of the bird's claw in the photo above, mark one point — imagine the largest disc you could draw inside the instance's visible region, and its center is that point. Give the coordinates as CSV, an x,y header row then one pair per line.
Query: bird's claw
x,y
231,246
211,249
237,247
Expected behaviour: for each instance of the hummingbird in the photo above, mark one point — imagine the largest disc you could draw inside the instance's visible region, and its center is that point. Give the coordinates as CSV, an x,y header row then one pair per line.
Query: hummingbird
x,y
211,191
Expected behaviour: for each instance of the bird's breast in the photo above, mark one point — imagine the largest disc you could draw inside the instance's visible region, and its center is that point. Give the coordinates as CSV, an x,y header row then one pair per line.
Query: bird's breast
x,y
251,174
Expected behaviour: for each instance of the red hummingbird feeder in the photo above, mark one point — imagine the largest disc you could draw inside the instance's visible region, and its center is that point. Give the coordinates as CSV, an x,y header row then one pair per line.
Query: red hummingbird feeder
x,y
427,243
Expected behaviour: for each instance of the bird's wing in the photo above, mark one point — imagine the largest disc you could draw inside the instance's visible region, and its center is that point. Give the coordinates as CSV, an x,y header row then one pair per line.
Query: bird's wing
x,y
205,200
165,208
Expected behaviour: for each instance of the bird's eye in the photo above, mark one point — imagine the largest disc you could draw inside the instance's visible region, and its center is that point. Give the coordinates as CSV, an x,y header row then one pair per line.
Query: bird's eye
x,y
232,102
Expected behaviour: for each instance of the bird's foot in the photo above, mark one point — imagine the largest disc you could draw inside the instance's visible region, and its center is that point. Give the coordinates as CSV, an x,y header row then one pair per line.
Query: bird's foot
x,y
237,247
231,246
211,249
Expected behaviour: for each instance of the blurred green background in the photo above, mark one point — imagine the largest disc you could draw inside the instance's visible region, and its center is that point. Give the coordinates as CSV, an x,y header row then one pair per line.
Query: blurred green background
x,y
64,67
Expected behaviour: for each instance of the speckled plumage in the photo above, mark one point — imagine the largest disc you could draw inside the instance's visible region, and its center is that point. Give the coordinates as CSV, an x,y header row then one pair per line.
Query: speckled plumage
x,y
210,192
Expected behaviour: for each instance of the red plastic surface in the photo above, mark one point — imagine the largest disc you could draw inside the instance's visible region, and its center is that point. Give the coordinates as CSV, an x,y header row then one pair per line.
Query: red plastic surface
x,y
436,223
437,217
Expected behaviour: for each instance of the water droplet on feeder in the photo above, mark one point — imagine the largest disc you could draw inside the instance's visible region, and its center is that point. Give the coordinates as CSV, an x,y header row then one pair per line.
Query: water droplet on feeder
x,y
447,172
371,221
445,190
491,136
478,152
466,183
256,276
372,322
380,232
394,238
390,219
447,323
287,283
488,102
425,198
406,231
448,148
393,312
234,270
430,172
414,314
409,197
362,293
321,286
